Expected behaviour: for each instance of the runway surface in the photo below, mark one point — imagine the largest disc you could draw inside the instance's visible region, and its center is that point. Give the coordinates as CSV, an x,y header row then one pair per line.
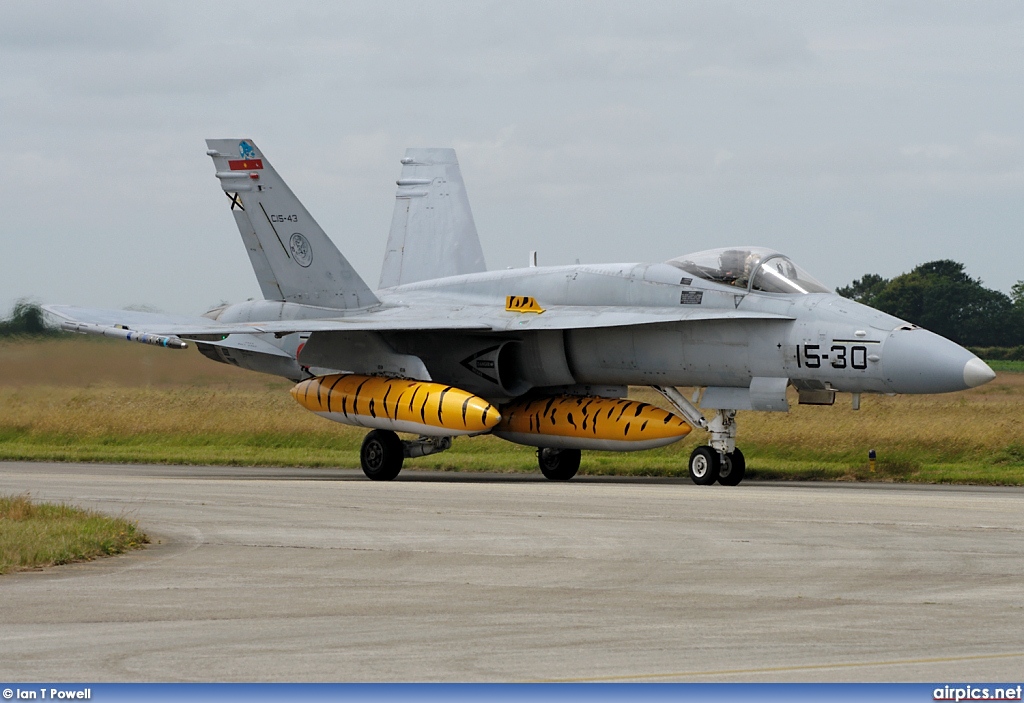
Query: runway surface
x,y
309,574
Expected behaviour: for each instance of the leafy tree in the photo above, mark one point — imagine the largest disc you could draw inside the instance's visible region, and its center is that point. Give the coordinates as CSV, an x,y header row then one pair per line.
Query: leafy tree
x,y
1017,295
942,297
864,290
26,318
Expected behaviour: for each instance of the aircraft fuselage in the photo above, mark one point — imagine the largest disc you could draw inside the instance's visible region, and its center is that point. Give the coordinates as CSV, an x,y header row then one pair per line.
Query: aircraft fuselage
x,y
819,341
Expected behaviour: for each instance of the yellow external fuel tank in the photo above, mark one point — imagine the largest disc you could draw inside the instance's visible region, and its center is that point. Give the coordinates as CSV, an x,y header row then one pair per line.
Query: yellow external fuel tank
x,y
587,422
397,404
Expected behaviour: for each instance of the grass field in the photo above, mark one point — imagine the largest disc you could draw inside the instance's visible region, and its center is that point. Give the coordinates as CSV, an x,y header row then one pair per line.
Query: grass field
x,y
34,535
83,399
1007,365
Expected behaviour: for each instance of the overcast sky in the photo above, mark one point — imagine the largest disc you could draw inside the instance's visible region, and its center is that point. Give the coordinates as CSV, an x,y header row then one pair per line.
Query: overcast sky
x,y
856,137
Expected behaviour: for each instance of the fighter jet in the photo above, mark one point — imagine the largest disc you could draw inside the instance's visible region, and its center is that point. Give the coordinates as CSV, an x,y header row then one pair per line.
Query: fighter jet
x,y
540,355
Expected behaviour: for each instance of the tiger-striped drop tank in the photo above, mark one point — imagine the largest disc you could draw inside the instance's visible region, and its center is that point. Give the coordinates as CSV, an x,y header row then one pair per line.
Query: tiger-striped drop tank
x,y
397,404
586,422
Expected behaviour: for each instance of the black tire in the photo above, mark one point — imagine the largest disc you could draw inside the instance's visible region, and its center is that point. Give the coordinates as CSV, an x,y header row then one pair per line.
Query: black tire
x,y
381,455
558,464
704,466
733,470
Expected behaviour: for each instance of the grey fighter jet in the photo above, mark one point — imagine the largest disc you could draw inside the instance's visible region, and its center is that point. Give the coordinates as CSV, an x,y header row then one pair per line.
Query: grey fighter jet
x,y
541,356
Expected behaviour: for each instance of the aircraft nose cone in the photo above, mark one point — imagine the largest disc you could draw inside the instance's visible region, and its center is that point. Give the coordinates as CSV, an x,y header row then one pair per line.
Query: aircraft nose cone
x,y
919,361
977,372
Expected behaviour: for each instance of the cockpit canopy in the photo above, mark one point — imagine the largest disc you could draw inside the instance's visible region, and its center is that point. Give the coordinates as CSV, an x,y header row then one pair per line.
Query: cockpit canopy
x,y
750,268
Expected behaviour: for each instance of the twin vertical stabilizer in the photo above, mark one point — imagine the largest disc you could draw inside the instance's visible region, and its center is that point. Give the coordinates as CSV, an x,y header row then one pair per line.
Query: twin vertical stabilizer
x,y
432,230
293,258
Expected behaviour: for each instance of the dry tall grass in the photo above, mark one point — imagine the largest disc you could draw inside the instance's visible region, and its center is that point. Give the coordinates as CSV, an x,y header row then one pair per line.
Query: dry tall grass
x,y
82,399
985,419
80,361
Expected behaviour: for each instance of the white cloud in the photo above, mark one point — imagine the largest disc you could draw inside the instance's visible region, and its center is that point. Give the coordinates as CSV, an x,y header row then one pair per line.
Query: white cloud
x,y
73,28
585,129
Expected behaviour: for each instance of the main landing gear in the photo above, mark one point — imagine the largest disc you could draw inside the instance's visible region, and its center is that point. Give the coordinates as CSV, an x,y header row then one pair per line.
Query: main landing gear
x,y
558,464
719,461
383,453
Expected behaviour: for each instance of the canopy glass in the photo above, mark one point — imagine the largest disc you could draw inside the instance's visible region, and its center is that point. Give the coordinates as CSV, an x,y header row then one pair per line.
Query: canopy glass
x,y
750,268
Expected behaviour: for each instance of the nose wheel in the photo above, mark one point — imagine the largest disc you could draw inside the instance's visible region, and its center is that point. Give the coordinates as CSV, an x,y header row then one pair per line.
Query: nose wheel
x,y
733,468
707,465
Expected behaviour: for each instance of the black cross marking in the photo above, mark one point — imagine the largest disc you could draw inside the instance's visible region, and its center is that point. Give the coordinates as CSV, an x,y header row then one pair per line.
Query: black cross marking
x,y
236,201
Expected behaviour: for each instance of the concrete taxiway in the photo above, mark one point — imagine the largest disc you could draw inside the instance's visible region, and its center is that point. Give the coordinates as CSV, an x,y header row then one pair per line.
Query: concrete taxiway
x,y
300,574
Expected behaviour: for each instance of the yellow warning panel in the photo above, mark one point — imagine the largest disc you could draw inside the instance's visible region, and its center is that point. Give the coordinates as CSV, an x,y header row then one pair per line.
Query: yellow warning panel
x,y
522,303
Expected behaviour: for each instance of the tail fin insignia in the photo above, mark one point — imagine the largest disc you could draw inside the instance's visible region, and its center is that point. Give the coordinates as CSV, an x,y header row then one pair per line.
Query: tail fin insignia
x,y
293,258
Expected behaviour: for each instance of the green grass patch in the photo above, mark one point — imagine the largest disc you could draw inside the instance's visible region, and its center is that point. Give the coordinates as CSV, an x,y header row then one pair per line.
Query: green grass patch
x,y
340,449
34,535
1006,365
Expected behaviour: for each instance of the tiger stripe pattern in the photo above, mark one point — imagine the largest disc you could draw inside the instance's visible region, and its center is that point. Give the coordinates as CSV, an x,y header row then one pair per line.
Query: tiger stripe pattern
x,y
396,404
596,422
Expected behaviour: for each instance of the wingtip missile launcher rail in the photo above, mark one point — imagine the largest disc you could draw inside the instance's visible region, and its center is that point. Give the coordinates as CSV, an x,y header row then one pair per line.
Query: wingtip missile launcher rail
x,y
156,340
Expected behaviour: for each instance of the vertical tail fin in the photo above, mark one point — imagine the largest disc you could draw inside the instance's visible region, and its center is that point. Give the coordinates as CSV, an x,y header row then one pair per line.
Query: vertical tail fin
x,y
293,258
432,230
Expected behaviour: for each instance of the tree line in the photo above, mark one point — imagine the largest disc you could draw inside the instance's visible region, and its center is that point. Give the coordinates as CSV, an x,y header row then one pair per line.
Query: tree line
x,y
941,297
26,319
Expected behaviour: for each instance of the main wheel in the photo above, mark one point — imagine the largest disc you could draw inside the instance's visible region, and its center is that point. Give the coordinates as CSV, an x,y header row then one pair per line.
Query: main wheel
x,y
704,466
558,464
381,455
733,469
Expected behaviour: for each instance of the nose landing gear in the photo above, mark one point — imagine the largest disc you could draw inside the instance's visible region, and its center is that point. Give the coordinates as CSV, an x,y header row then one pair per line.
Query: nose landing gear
x,y
707,465
734,468
720,460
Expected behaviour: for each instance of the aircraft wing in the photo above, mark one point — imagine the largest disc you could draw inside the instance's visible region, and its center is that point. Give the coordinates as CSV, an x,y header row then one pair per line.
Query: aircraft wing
x,y
143,321
420,317
189,327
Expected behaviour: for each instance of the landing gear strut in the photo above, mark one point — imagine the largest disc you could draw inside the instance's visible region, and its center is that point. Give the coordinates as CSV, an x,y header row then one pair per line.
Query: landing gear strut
x,y
558,464
719,461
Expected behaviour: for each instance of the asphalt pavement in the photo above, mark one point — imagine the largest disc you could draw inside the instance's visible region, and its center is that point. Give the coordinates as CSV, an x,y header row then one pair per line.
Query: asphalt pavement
x,y
261,574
